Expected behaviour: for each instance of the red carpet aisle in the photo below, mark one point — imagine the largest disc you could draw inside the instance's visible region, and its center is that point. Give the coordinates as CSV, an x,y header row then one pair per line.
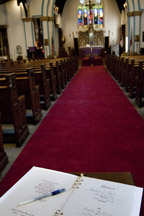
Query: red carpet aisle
x,y
91,127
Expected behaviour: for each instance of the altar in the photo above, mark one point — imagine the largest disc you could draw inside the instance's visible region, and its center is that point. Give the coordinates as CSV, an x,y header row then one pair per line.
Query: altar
x,y
87,51
91,55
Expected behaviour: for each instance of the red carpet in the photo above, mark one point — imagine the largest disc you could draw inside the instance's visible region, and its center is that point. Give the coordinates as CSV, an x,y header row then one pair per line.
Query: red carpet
x,y
91,127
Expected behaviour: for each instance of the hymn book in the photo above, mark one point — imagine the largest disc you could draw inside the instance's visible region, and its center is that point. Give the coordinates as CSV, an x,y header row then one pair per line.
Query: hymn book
x,y
84,196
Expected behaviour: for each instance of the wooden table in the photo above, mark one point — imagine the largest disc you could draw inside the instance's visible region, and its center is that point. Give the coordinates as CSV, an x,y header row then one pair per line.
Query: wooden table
x,y
120,177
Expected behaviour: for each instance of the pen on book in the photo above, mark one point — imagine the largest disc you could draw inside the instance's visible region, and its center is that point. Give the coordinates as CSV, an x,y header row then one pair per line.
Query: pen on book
x,y
53,193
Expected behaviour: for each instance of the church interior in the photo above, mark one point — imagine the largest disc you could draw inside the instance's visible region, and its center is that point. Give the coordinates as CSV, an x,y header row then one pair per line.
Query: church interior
x,y
72,89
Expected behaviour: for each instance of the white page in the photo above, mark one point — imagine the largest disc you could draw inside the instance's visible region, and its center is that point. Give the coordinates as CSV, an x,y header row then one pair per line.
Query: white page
x,y
36,182
103,198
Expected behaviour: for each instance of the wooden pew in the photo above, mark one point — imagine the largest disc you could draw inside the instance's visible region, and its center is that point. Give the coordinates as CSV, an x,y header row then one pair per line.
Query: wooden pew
x,y
128,72
13,111
119,69
58,75
124,71
139,99
66,67
61,69
3,155
135,73
26,86
25,80
64,72
44,86
40,80
52,78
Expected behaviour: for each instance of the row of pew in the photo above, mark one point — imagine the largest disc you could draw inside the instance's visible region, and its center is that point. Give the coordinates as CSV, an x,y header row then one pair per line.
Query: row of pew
x,y
129,71
27,88
3,155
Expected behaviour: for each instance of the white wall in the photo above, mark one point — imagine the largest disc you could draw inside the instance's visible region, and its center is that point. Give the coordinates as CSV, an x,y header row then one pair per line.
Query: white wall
x,y
3,14
69,22
15,29
142,30
35,7
112,21
142,4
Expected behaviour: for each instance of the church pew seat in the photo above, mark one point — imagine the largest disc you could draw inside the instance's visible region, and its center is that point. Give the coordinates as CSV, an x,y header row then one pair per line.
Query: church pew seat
x,y
64,72
40,80
129,63
3,155
26,86
50,75
61,69
44,86
66,67
13,110
124,72
139,99
133,78
58,76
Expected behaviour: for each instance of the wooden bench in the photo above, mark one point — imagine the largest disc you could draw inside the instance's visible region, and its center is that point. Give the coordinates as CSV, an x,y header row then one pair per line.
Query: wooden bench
x,y
135,73
124,71
3,155
50,75
13,111
26,86
64,69
40,80
128,73
57,73
44,86
139,99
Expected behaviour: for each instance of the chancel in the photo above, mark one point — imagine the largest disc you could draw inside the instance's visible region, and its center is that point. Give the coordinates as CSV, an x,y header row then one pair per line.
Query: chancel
x,y
91,27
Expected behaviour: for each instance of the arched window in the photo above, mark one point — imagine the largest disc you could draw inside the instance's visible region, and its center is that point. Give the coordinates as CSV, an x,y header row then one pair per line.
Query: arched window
x,y
80,16
95,15
90,12
101,15
85,16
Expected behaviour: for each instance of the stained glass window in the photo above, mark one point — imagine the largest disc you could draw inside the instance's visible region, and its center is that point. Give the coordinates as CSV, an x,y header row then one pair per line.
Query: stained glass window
x,y
90,12
79,16
101,15
85,16
91,16
96,15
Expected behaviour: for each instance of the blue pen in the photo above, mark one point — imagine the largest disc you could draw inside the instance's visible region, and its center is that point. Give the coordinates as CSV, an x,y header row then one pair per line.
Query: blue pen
x,y
53,193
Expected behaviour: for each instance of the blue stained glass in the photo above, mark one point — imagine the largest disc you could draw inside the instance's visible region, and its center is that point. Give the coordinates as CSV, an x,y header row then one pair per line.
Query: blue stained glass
x,y
101,16
95,16
85,16
80,16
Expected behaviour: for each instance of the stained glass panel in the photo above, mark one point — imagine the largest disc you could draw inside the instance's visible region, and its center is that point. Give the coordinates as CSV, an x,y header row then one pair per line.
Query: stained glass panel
x,y
80,16
101,15
85,16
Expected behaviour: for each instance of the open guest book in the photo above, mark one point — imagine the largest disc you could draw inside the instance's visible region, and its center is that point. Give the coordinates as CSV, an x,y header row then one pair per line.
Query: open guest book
x,y
84,196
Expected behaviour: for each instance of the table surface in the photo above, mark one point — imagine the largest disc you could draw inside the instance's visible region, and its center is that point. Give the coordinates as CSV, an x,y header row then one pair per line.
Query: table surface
x,y
121,177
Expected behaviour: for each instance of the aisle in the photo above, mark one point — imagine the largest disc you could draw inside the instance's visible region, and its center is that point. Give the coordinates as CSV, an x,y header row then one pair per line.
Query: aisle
x,y
91,128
